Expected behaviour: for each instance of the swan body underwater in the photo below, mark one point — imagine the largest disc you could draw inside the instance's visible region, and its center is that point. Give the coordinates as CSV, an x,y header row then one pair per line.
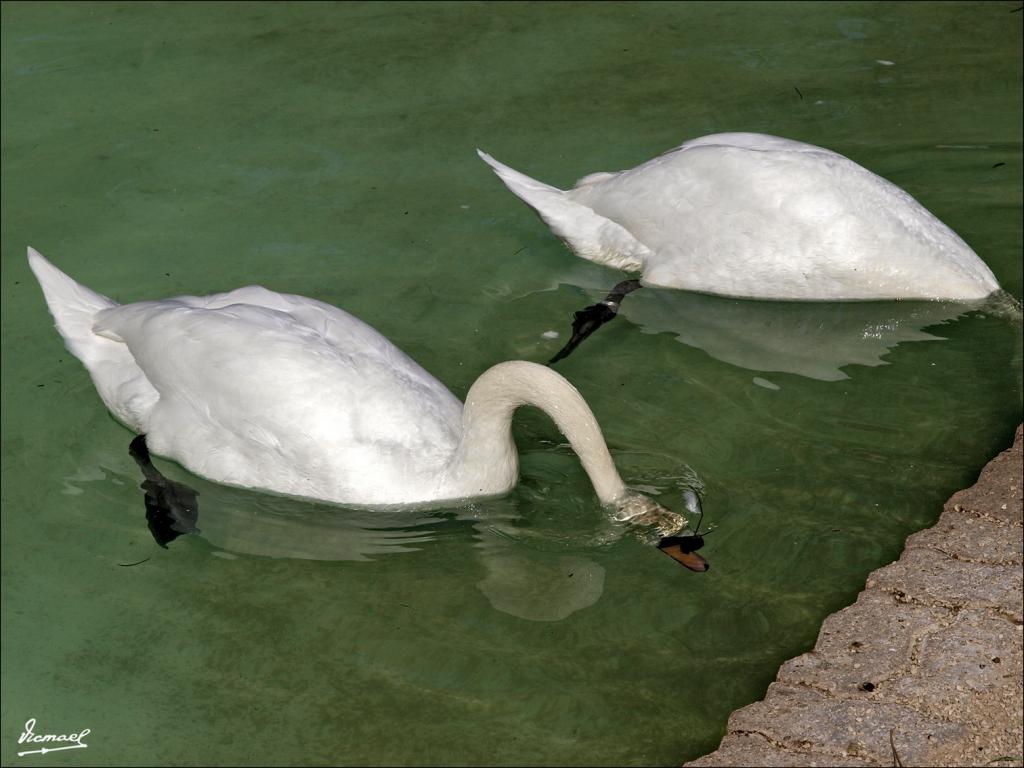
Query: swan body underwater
x,y
753,216
287,394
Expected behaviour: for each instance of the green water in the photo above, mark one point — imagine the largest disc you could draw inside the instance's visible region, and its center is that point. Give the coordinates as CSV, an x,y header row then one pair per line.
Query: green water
x,y
328,150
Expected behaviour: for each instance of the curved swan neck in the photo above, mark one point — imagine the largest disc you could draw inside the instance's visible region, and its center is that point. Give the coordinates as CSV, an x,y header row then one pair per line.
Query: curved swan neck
x,y
487,457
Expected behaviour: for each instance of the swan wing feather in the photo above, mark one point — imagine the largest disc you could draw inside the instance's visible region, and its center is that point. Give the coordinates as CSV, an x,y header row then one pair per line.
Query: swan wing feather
x,y
257,386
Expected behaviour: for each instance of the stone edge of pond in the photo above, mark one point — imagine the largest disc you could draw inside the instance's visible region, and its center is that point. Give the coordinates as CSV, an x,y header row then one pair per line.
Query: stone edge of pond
x,y
925,668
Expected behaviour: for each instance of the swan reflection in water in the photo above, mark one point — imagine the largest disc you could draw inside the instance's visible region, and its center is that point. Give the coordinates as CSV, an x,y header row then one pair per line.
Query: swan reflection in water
x,y
522,576
812,339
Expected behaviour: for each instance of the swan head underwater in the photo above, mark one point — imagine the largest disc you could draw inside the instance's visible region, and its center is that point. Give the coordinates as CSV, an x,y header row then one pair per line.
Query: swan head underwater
x,y
282,393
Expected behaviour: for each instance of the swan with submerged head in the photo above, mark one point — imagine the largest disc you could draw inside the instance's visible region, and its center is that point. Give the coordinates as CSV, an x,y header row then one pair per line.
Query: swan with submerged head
x,y
284,393
753,216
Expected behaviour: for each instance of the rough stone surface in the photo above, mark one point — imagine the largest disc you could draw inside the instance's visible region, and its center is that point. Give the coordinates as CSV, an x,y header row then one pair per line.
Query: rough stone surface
x,y
928,577
926,667
753,749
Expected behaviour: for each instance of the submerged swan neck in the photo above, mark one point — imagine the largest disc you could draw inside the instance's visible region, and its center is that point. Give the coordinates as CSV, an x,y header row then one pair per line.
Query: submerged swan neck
x,y
486,457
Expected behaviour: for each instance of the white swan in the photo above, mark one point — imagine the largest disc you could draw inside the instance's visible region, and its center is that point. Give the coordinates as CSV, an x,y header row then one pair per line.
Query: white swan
x,y
755,216
287,394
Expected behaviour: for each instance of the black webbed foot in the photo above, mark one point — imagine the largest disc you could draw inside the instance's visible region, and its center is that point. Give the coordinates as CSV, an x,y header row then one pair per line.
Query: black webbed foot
x,y
589,319
584,323
171,507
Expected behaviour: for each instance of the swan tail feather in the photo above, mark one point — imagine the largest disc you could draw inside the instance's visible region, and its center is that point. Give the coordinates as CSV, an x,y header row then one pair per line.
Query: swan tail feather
x,y
73,306
120,382
586,232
